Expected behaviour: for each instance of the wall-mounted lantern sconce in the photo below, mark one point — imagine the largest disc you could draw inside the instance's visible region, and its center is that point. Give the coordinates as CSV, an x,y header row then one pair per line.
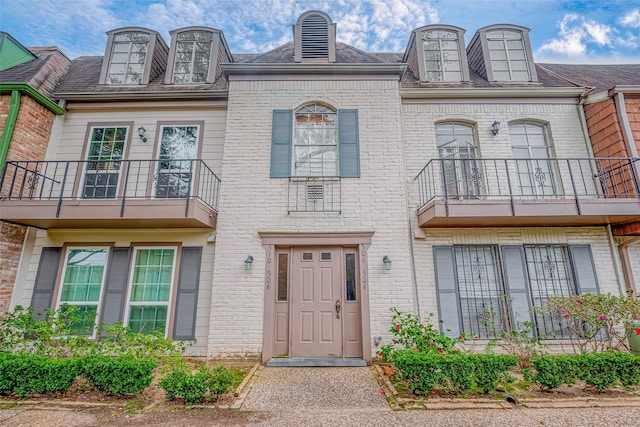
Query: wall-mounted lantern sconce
x,y
142,134
495,127
377,340
387,262
248,263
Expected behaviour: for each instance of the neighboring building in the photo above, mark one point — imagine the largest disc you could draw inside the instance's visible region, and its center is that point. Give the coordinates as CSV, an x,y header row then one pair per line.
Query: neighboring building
x,y
612,114
276,205
27,112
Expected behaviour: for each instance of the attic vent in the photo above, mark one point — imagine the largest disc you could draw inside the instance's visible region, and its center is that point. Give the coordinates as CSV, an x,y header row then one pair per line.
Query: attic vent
x,y
315,37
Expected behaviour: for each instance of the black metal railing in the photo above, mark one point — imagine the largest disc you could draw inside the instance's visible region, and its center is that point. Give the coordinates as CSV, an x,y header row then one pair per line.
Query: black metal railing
x,y
111,180
314,194
544,178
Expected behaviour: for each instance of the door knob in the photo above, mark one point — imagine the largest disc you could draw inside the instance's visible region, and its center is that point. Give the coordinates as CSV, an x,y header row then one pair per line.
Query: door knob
x,y
338,305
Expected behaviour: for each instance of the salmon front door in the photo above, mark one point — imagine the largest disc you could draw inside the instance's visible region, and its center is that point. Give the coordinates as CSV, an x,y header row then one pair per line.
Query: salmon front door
x,y
316,303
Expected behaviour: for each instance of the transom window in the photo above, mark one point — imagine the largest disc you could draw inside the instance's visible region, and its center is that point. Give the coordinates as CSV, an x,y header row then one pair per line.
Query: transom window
x,y
128,57
508,55
441,55
82,280
150,291
193,54
315,147
104,153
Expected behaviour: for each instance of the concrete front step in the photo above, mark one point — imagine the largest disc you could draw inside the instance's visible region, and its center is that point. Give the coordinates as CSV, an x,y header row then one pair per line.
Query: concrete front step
x,y
315,361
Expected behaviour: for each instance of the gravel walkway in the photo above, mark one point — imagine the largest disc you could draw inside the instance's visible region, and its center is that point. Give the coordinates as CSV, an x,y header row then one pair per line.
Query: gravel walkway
x,y
315,388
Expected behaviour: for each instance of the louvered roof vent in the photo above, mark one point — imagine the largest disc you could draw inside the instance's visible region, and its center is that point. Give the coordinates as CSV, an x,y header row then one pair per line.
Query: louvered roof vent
x,y
314,37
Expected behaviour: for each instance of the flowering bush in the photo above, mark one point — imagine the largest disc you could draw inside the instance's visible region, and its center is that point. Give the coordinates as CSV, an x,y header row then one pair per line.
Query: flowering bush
x,y
595,322
409,333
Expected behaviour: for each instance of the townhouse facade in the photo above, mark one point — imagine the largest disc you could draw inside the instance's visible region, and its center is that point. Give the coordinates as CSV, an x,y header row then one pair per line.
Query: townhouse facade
x,y
277,205
27,111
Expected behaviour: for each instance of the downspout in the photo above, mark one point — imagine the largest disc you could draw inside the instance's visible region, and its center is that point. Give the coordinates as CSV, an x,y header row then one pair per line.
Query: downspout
x,y
9,125
616,267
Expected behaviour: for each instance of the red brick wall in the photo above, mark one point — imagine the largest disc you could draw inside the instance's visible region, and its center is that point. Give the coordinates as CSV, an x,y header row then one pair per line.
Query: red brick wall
x,y
29,142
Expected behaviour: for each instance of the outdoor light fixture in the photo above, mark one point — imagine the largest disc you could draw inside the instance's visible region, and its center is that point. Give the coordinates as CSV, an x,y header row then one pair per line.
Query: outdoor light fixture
x,y
387,262
495,127
142,134
248,263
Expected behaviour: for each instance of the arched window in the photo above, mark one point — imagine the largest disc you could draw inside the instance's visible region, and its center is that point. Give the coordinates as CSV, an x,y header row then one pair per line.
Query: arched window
x,y
533,152
315,141
458,151
128,57
192,56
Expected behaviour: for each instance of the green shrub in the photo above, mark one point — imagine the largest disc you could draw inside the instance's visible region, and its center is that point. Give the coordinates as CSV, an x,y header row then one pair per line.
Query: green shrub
x,y
118,375
455,372
191,386
553,371
25,375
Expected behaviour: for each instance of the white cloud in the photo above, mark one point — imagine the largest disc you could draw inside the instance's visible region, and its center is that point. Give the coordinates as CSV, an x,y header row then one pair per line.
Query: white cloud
x,y
631,19
577,33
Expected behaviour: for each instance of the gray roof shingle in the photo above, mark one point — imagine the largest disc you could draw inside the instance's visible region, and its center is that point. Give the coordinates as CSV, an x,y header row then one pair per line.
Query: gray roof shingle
x,y
41,73
600,77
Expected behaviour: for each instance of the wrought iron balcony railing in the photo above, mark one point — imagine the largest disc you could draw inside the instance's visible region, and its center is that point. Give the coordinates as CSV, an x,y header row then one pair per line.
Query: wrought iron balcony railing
x,y
528,179
120,180
314,194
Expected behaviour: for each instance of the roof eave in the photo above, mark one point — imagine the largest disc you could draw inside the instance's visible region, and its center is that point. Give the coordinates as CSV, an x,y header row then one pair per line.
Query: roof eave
x,y
140,95
35,94
311,68
626,89
494,92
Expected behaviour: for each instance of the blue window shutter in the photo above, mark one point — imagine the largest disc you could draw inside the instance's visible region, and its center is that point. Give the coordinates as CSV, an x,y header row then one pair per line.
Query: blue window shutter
x,y
115,291
447,291
349,142
584,271
184,326
517,284
42,297
282,128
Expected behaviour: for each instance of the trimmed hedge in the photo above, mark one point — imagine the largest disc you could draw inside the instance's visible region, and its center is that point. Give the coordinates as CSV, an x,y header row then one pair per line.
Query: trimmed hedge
x,y
25,375
600,370
457,372
191,386
118,375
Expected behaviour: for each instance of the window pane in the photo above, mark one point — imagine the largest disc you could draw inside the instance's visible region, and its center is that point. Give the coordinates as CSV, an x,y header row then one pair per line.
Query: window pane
x,y
152,275
482,298
283,276
315,142
350,276
146,319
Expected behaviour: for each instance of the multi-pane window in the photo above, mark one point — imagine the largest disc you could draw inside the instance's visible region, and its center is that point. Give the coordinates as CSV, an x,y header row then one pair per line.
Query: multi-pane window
x,y
82,280
102,172
128,58
482,301
442,55
535,165
457,149
508,55
315,146
193,53
150,291
549,276
178,151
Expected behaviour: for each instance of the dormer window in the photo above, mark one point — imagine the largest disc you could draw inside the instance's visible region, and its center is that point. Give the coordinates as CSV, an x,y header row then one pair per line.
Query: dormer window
x,y
436,54
508,55
314,38
194,55
502,53
129,53
134,56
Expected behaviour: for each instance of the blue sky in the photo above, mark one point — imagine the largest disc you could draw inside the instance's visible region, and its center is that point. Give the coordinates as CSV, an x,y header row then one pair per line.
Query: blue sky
x,y
605,31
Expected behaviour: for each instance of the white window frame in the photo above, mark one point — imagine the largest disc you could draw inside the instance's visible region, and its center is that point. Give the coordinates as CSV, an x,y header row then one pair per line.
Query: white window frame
x,y
59,302
416,47
154,38
486,36
85,168
169,304
317,109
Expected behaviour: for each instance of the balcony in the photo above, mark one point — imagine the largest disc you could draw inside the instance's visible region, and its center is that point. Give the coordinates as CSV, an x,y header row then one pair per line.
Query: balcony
x,y
314,194
457,192
110,194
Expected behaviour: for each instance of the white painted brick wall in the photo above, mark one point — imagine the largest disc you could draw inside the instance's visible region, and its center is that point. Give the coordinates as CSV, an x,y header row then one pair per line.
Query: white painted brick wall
x,y
253,202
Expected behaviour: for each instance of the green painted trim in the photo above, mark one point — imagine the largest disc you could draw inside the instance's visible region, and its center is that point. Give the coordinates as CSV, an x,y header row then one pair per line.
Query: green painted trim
x,y
9,125
33,93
